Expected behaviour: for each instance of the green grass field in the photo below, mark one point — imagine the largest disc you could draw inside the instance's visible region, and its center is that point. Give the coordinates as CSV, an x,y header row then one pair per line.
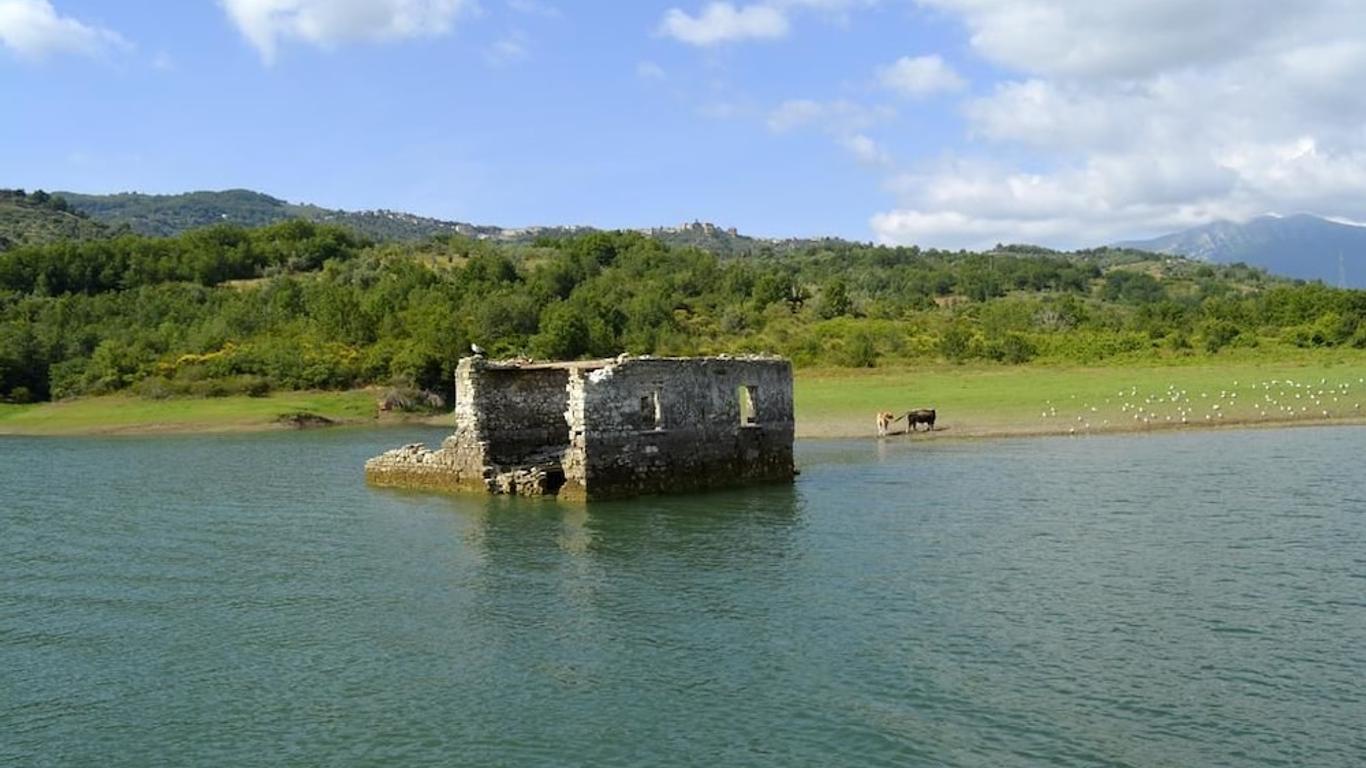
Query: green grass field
x,y
971,400
1041,399
118,413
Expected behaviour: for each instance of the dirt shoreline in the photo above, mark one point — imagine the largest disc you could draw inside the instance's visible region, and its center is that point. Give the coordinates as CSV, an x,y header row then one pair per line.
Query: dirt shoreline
x,y
828,428
154,428
952,431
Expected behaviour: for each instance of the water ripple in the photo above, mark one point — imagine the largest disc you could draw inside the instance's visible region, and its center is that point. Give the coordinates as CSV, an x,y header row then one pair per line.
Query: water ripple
x,y
1182,599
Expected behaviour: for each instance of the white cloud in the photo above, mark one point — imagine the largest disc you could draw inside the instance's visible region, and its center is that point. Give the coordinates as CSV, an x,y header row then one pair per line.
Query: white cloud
x,y
795,113
508,49
33,29
1110,196
920,76
1047,115
828,6
838,117
724,109
535,8
839,11
648,70
1133,117
843,121
866,150
327,23
1301,175
1124,38
724,23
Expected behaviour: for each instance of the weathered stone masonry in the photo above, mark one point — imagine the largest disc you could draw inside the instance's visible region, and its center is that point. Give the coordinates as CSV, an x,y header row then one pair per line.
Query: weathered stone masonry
x,y
607,428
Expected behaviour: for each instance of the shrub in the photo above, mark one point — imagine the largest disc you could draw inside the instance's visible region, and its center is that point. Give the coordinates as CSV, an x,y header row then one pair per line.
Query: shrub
x,y
1358,340
255,386
955,343
211,388
1219,334
1016,348
410,399
154,388
859,351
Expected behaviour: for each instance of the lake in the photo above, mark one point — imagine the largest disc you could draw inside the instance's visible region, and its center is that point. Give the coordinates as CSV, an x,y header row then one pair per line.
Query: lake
x,y
1178,599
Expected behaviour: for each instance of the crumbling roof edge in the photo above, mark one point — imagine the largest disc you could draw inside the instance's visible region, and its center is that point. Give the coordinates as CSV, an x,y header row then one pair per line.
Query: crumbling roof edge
x,y
593,365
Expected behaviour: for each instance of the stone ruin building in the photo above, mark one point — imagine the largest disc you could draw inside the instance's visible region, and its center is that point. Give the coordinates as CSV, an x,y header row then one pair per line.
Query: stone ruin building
x,y
607,428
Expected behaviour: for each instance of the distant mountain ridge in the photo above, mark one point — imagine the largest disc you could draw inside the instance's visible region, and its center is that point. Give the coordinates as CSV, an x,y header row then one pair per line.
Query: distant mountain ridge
x,y
1301,246
164,215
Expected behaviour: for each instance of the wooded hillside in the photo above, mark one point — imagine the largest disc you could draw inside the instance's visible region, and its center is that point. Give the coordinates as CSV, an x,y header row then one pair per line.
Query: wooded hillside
x,y
304,305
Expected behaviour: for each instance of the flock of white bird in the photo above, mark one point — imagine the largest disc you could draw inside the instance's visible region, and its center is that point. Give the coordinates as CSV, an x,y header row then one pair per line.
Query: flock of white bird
x,y
1274,399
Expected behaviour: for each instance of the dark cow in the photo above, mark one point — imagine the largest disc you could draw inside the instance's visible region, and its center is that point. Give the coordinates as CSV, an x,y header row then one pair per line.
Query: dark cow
x,y
920,416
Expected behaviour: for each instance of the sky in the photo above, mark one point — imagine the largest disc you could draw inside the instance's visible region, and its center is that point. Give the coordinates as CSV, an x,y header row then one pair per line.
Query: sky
x,y
946,123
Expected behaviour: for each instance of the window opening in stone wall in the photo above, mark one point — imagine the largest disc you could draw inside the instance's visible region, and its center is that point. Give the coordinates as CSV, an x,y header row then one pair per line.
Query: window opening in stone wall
x,y
747,394
650,415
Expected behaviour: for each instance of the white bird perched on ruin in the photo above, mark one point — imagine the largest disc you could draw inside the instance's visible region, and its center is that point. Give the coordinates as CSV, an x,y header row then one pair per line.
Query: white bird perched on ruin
x,y
477,350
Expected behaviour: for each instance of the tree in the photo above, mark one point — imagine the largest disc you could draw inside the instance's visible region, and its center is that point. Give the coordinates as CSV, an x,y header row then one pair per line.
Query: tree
x,y
564,333
834,301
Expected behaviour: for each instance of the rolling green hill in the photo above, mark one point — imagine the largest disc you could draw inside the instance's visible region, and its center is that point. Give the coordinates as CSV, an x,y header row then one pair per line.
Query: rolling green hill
x,y
169,215
30,219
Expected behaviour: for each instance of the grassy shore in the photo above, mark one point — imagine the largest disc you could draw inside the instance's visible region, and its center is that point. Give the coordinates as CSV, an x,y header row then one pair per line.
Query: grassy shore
x,y
120,414
1032,400
972,401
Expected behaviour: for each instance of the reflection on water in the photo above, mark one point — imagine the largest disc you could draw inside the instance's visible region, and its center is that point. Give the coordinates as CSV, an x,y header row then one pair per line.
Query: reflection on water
x,y
1182,599
737,528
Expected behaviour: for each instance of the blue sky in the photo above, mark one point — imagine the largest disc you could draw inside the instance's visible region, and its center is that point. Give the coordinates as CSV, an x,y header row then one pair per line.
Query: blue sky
x,y
938,122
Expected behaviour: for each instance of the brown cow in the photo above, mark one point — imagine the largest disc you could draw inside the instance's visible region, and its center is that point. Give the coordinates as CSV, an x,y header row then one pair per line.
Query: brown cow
x,y
885,420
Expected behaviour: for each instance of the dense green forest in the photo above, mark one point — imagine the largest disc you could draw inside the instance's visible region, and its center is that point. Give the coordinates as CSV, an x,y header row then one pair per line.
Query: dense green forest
x,y
300,304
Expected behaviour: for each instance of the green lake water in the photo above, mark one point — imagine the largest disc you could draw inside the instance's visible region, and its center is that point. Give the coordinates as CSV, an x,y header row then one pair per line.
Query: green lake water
x,y
1184,599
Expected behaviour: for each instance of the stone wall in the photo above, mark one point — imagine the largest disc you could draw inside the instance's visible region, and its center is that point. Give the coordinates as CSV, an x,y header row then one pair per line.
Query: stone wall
x,y
460,464
607,429
665,425
522,412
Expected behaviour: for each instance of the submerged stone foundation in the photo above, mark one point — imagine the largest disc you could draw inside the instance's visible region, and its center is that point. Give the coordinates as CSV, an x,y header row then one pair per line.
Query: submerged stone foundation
x,y
607,428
